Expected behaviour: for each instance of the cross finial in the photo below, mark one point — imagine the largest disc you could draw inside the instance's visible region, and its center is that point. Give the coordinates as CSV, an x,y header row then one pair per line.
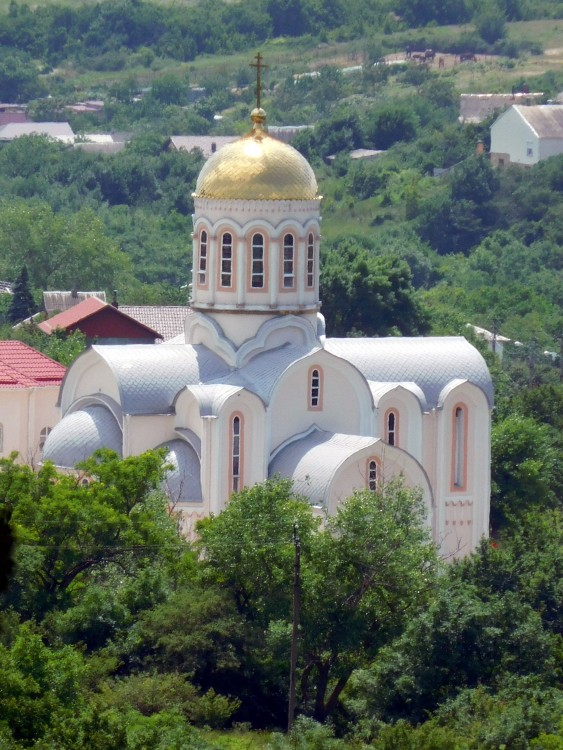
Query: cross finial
x,y
259,65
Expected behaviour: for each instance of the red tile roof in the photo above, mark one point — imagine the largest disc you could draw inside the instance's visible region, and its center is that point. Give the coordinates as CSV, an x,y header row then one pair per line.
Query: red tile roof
x,y
89,309
73,315
24,367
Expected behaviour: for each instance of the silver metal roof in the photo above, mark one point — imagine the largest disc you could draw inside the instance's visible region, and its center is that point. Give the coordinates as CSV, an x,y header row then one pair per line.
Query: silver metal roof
x,y
262,373
312,461
546,120
80,434
150,376
430,362
182,482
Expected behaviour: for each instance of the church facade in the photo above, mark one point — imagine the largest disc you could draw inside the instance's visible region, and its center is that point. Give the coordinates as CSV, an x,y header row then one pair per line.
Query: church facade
x,y
256,389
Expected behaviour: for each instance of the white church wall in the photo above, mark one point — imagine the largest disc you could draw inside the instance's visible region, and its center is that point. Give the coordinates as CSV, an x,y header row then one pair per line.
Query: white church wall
x,y
345,401
391,464
142,433
463,476
188,413
409,434
88,375
220,484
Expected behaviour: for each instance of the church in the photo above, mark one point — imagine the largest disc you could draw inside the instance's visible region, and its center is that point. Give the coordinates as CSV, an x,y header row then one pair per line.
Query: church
x,y
256,389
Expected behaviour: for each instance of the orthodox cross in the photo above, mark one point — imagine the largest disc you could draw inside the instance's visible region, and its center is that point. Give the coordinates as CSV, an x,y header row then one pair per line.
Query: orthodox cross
x,y
259,65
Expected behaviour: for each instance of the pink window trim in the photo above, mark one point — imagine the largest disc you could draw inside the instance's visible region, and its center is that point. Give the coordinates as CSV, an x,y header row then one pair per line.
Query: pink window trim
x,y
395,432
311,270
315,388
236,452
220,287
459,450
282,262
249,287
201,242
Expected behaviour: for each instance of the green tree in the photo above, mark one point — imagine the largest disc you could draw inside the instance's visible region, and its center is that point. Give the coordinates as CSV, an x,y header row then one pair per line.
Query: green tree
x,y
22,304
524,469
67,528
367,294
362,574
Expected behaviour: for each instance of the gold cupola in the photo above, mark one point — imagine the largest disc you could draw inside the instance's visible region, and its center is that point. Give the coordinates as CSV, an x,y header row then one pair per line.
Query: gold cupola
x,y
257,167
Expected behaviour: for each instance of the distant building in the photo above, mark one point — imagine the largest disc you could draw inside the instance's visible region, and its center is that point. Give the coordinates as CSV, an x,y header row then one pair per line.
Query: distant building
x,y
29,389
12,113
167,320
57,131
207,144
56,302
474,108
100,322
527,135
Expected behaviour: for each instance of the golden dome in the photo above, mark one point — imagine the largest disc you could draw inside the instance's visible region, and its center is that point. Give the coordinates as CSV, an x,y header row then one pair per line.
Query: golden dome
x,y
257,167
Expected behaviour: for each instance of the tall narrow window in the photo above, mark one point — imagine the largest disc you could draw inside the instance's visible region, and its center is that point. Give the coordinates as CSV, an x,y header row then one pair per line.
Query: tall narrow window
x,y
257,267
288,261
202,266
315,384
392,427
236,453
459,448
372,474
310,261
43,436
227,260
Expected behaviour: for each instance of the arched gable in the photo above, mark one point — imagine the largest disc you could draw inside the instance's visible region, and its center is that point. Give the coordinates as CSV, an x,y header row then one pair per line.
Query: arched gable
x,y
405,404
347,404
328,467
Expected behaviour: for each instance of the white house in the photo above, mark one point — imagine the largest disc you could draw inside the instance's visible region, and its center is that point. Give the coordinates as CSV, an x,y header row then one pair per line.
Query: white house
x,y
256,389
29,388
527,135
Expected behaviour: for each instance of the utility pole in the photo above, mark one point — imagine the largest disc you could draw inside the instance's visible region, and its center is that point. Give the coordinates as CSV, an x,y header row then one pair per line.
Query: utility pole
x,y
295,629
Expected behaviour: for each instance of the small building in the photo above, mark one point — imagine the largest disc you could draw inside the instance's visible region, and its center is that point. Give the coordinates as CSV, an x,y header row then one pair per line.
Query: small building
x,y
56,302
100,322
29,389
57,131
207,144
474,108
527,135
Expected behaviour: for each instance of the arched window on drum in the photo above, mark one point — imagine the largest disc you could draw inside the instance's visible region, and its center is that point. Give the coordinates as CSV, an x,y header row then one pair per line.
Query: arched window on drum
x,y
202,260
257,262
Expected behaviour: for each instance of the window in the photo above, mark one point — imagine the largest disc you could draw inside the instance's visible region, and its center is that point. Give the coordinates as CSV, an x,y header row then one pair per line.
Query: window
x,y
227,260
43,436
529,148
315,393
372,474
288,261
1,438
257,262
459,447
202,267
236,453
310,261
392,427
